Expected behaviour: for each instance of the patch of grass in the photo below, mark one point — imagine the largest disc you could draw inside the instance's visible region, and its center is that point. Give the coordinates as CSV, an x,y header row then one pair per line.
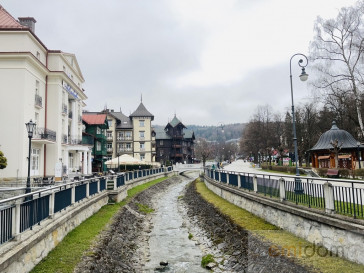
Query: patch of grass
x,y
190,236
69,251
144,208
180,197
282,243
209,258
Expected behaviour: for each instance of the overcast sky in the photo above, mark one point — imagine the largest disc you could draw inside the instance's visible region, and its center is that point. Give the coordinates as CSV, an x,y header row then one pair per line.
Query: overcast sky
x,y
208,61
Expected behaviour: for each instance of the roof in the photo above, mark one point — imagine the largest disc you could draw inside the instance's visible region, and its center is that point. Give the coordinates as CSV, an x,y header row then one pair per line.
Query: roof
x,y
94,119
189,134
7,21
344,138
125,122
161,134
141,111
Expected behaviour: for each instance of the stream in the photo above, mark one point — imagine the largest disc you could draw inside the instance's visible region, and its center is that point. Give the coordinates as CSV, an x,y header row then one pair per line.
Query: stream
x,y
168,239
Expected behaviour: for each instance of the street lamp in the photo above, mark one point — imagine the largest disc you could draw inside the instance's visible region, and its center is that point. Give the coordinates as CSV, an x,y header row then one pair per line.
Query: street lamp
x,y
304,76
358,144
30,128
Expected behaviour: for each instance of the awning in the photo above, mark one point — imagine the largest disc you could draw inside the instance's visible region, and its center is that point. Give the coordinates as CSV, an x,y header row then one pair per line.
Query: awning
x,y
323,157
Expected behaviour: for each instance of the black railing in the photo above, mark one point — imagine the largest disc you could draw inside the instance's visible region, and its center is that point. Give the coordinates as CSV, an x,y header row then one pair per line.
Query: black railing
x,y
6,224
93,188
80,192
43,133
38,100
62,199
64,109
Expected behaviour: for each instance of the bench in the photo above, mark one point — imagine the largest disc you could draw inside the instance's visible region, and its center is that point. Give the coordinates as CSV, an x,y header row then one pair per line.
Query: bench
x,y
333,173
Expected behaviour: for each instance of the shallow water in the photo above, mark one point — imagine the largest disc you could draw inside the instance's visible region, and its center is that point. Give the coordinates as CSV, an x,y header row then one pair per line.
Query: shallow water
x,y
169,238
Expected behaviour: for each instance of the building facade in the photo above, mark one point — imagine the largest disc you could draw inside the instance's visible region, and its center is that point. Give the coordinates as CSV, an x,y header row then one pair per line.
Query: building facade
x,y
44,86
131,135
175,143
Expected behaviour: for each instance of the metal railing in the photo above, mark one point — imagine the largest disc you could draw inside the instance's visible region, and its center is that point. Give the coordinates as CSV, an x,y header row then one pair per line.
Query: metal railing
x,y
43,133
18,215
38,100
341,196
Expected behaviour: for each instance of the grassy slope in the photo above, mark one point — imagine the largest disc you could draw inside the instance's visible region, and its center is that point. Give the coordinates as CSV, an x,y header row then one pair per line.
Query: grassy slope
x,y
68,253
279,239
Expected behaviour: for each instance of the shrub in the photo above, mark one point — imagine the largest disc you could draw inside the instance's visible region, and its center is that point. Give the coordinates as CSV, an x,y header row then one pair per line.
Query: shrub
x,y
344,173
3,161
322,171
359,173
279,168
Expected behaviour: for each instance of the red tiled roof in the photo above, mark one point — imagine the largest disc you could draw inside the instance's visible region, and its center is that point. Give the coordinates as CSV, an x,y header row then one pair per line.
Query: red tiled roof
x,y
93,119
7,21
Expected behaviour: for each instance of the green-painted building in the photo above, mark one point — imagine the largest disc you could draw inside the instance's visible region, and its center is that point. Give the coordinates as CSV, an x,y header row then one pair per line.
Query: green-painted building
x,y
95,126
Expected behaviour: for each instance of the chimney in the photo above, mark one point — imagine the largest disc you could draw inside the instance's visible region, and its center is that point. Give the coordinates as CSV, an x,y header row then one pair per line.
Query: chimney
x,y
28,22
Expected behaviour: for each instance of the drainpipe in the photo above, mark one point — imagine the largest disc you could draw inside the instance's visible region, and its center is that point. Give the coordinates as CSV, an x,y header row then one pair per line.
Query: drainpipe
x,y
45,117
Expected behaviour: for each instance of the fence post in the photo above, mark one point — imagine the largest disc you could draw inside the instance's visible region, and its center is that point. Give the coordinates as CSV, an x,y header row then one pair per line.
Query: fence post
x,y
255,183
73,193
51,204
98,185
227,178
329,198
219,176
239,181
88,188
282,190
16,220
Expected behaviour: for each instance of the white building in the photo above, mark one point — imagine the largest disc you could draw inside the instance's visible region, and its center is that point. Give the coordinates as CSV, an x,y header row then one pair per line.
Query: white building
x,y
44,86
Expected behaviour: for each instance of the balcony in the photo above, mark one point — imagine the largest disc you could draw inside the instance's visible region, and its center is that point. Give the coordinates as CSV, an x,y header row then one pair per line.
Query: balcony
x,y
43,135
109,138
142,149
109,150
64,109
38,101
125,150
64,139
123,138
177,146
74,140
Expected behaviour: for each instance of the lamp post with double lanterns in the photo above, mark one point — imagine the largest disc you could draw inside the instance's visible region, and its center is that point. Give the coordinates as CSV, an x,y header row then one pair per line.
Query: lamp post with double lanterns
x,y
30,129
304,76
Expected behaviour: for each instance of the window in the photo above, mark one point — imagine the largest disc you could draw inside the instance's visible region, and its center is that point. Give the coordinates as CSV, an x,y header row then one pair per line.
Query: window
x,y
109,122
37,88
161,142
98,130
98,146
141,123
142,146
161,153
141,134
128,146
128,135
34,161
109,135
38,55
142,157
70,160
109,147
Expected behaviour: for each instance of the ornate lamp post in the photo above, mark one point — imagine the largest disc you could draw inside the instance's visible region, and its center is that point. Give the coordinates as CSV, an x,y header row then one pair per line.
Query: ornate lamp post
x,y
30,128
304,76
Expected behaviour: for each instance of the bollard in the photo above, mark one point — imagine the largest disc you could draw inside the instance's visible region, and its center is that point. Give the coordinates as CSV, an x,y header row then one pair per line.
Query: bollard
x,y
329,198
282,190
255,183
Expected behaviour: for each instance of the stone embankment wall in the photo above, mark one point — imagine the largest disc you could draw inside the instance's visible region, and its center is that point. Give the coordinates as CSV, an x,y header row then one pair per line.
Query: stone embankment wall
x,y
31,246
342,236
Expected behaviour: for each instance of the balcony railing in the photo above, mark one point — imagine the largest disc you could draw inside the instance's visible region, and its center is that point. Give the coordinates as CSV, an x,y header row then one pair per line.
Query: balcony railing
x,y
109,150
43,133
74,140
125,150
64,109
142,149
38,101
64,139
124,138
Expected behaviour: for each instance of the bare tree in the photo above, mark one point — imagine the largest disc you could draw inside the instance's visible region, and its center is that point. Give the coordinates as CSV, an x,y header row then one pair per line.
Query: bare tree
x,y
204,150
337,51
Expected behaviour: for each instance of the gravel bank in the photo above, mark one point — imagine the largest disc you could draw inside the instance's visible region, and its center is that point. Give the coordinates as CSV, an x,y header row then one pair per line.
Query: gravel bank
x,y
234,249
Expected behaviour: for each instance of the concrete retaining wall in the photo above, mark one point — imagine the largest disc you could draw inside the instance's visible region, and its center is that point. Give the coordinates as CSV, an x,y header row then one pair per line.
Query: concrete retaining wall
x,y
341,235
31,246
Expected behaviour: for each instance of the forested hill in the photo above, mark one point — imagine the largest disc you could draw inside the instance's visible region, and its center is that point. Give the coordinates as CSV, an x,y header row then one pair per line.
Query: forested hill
x,y
213,133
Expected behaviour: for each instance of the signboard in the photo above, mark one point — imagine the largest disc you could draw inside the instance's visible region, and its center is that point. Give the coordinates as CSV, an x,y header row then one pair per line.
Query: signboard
x,y
286,161
70,90
58,171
